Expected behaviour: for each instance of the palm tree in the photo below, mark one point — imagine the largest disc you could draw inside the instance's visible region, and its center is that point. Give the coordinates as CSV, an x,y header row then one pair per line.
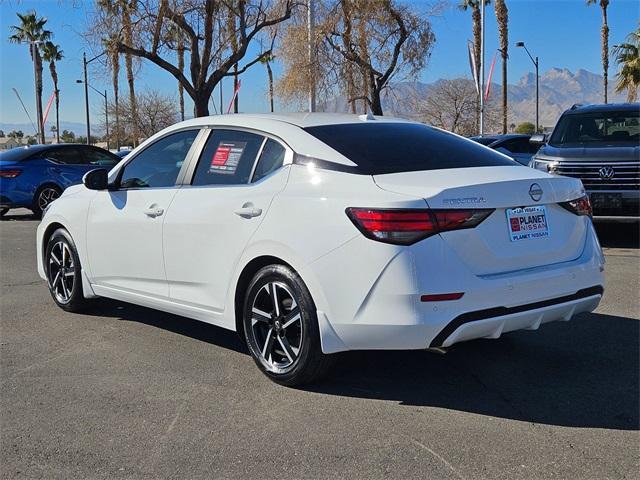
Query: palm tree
x,y
31,30
476,18
266,61
51,53
175,37
123,9
502,16
111,46
605,42
628,59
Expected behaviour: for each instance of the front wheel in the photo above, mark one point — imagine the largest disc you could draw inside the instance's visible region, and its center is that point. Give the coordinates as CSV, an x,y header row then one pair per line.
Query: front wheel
x,y
62,265
281,328
43,197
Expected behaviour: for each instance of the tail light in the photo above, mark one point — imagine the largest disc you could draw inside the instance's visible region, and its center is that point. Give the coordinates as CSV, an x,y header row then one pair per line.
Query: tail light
x,y
10,173
405,227
579,206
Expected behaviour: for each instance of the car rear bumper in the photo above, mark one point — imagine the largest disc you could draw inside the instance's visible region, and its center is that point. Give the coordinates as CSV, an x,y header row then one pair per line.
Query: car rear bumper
x,y
391,315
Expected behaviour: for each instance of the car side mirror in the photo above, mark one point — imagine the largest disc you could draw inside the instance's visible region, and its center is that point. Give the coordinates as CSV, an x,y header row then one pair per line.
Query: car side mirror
x,y
97,179
538,139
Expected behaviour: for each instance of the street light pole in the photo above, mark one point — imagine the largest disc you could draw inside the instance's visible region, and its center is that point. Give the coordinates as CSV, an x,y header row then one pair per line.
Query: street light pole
x,y
106,106
86,62
536,63
86,97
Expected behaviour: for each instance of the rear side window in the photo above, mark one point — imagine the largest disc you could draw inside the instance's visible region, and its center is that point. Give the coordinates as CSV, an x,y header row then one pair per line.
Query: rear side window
x,y
404,147
227,158
271,159
67,156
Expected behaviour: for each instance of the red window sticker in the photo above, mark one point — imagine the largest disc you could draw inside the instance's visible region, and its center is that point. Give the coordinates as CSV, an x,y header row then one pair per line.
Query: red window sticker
x,y
221,156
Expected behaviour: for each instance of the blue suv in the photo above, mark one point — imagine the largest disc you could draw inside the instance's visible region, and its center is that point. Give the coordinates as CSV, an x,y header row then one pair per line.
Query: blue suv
x,y
32,177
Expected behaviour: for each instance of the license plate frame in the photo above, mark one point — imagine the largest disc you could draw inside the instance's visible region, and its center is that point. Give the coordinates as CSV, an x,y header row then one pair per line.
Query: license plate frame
x,y
528,223
605,200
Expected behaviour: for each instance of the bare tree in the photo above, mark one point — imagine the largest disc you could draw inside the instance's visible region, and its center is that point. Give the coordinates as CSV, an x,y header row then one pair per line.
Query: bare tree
x,y
207,38
391,39
154,111
451,105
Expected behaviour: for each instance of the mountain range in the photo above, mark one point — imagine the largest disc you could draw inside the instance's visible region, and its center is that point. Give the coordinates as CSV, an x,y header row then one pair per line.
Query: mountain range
x,y
559,90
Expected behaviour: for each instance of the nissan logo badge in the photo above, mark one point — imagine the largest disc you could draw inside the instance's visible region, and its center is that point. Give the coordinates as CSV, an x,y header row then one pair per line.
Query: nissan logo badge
x,y
535,192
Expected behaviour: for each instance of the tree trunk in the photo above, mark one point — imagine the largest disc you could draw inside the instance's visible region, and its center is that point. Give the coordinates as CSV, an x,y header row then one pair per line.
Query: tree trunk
x,y
201,106
181,68
502,17
235,88
38,61
126,17
54,77
375,91
477,27
605,48
270,73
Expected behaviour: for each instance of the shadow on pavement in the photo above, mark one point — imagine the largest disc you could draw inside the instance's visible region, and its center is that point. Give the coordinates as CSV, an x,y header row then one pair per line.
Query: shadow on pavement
x,y
618,235
195,329
582,373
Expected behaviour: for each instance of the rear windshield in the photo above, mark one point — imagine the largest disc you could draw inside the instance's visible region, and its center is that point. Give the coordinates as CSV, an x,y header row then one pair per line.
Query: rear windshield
x,y
16,154
597,130
404,147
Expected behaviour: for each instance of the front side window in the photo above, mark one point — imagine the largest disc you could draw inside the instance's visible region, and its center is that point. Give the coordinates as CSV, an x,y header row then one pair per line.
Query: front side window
x,y
271,158
99,158
379,148
159,164
597,130
227,158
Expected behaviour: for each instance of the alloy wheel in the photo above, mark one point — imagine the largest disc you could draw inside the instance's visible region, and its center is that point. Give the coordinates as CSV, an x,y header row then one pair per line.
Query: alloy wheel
x,y
276,327
47,195
62,271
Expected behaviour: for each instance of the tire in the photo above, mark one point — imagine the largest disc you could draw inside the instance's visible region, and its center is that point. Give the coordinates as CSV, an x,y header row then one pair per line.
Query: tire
x,y
43,197
63,269
284,340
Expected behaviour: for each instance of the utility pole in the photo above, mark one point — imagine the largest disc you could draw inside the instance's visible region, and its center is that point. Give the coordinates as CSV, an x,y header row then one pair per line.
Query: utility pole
x,y
311,54
482,21
86,97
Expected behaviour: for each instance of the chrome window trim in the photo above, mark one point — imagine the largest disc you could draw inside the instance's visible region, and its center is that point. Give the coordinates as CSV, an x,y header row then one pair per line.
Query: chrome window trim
x,y
120,169
190,172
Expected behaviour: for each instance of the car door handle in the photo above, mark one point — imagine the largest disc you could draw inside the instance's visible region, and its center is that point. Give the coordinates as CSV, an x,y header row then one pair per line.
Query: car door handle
x,y
248,211
153,211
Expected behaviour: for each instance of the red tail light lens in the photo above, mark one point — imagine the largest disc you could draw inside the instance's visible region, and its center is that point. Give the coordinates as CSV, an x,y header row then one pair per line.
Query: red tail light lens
x,y
405,227
579,206
10,173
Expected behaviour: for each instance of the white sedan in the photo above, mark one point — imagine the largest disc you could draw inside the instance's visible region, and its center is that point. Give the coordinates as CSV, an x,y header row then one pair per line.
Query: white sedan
x,y
312,234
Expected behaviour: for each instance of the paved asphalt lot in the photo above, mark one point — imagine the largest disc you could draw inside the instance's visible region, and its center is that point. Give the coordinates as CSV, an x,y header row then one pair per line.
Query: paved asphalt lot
x,y
127,392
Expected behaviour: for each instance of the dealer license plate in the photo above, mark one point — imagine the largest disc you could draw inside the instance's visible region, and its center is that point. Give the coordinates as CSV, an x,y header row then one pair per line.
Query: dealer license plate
x,y
527,222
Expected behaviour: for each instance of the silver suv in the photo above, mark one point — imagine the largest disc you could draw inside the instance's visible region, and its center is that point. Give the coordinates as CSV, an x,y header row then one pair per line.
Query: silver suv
x,y
600,145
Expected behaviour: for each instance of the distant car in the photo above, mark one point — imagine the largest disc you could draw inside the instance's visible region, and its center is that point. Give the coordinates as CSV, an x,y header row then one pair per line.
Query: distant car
x,y
122,153
32,177
515,145
600,145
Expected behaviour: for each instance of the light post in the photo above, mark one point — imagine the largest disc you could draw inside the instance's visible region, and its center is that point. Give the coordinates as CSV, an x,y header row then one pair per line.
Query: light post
x,y
106,107
86,62
536,63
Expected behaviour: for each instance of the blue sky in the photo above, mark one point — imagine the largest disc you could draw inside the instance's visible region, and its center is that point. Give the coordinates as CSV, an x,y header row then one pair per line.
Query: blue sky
x,y
563,33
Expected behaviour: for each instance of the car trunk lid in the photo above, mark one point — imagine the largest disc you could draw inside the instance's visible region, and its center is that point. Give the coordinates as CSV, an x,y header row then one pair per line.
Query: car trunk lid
x,y
489,248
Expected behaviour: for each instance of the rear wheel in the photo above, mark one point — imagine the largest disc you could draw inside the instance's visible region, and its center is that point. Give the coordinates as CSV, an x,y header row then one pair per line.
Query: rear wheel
x,y
43,197
281,328
63,270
